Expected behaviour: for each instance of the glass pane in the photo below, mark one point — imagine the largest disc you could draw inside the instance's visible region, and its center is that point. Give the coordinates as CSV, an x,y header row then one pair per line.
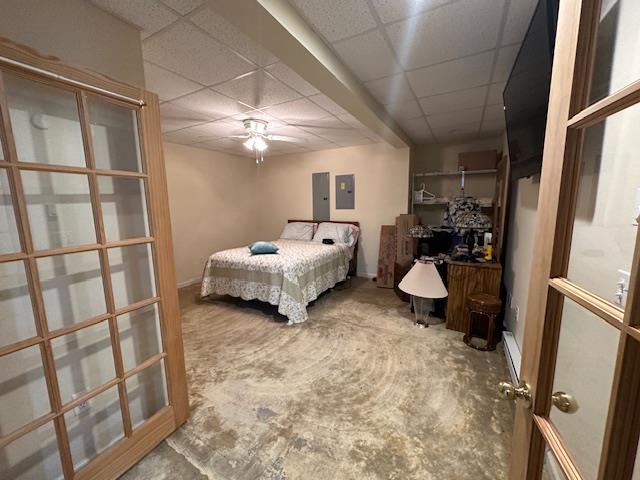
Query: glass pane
x,y
23,389
59,209
140,337
551,469
616,63
71,288
33,456
585,363
16,313
9,239
147,393
124,207
131,274
608,205
94,428
115,136
45,123
84,360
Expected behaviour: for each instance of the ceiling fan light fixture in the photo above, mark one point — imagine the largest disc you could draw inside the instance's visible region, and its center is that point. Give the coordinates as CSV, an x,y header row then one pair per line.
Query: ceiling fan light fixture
x,y
259,144
249,143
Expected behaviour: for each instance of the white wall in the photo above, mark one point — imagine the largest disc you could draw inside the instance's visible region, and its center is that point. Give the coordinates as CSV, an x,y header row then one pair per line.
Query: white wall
x,y
381,190
213,201
77,32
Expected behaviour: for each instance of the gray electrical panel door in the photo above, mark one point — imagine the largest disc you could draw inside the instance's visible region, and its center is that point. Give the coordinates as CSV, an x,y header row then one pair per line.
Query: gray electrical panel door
x,y
321,209
345,192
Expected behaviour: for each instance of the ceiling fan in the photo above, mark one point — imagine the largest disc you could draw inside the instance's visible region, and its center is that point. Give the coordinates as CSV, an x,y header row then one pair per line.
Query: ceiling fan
x,y
257,139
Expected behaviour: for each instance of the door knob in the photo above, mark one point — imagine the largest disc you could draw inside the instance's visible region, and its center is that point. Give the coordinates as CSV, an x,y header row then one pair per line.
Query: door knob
x,y
564,402
510,392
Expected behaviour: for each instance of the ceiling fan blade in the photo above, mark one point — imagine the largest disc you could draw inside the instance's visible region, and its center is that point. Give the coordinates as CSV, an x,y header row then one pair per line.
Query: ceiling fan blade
x,y
284,138
318,127
238,136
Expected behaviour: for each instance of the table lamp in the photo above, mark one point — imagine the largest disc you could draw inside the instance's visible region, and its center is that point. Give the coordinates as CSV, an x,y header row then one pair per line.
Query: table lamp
x,y
471,221
423,283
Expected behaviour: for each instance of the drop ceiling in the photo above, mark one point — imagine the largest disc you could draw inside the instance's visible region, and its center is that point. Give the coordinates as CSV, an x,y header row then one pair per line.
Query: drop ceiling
x,y
437,67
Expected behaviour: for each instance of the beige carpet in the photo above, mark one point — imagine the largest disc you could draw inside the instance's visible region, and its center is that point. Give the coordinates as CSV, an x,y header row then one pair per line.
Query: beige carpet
x,y
357,392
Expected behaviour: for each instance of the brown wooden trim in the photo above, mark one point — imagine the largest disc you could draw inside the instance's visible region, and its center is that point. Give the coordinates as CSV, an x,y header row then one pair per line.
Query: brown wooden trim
x,y
527,455
600,110
158,206
562,454
129,242
116,460
596,305
88,395
144,365
29,427
14,347
21,53
74,327
51,168
136,306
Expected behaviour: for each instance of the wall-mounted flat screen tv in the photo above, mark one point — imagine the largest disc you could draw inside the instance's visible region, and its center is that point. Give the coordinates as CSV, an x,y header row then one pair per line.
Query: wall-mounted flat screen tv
x,y
526,95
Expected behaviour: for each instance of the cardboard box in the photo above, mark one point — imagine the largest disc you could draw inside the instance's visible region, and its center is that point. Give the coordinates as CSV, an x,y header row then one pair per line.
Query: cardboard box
x,y
484,160
406,247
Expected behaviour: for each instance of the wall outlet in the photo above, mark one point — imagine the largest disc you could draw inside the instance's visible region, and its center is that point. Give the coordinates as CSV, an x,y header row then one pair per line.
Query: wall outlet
x,y
622,288
509,300
517,313
81,407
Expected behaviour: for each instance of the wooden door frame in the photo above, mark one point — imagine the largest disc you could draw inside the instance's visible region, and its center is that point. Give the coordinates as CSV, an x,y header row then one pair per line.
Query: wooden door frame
x,y
114,461
568,114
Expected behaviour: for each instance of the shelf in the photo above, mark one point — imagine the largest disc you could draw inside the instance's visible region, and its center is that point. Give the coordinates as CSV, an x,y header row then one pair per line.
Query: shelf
x,y
453,173
445,201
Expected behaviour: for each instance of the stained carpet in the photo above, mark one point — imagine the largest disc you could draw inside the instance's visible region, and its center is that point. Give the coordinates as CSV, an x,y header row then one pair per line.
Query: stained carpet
x,y
356,392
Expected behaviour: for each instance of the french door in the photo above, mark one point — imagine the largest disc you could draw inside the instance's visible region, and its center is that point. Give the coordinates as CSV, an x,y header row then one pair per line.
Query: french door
x,y
91,363
578,413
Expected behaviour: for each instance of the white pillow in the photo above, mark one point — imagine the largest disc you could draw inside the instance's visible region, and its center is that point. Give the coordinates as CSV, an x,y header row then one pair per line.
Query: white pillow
x,y
355,233
298,231
338,232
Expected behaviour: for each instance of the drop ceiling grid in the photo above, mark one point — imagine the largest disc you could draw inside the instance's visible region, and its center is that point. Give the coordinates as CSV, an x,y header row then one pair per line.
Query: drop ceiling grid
x,y
511,17
209,127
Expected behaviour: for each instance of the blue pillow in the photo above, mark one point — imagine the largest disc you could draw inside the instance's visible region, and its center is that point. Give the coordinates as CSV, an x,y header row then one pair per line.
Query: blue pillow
x,y
259,248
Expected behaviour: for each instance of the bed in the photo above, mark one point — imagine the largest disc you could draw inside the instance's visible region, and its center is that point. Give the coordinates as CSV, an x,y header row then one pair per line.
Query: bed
x,y
290,279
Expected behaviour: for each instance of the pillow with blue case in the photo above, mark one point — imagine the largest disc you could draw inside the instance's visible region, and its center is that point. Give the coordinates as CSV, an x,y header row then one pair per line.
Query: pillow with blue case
x,y
261,248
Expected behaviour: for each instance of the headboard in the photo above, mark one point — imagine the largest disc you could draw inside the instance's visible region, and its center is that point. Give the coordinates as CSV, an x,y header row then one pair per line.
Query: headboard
x,y
353,264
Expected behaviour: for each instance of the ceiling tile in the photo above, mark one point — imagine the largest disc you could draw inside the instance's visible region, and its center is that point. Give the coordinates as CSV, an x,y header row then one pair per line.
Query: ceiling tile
x,y
368,56
183,6
450,76
409,109
336,19
328,104
294,132
148,15
352,121
518,18
494,126
417,129
217,129
448,102
459,29
174,117
390,89
227,33
506,58
392,10
211,104
494,113
185,136
353,142
298,111
185,49
458,130
453,119
258,89
291,78
259,115
166,84
495,93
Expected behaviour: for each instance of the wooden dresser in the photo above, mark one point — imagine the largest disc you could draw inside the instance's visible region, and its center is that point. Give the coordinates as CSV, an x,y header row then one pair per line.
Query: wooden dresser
x,y
465,278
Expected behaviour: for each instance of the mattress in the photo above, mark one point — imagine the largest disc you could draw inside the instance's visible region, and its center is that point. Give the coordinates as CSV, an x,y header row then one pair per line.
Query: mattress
x,y
290,279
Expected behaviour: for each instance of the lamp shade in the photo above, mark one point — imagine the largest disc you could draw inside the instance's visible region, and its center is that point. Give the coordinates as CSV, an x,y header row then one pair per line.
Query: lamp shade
x,y
423,280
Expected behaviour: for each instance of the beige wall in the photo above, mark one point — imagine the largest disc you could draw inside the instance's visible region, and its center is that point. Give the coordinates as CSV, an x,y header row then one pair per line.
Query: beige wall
x,y
381,189
213,201
430,158
77,32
